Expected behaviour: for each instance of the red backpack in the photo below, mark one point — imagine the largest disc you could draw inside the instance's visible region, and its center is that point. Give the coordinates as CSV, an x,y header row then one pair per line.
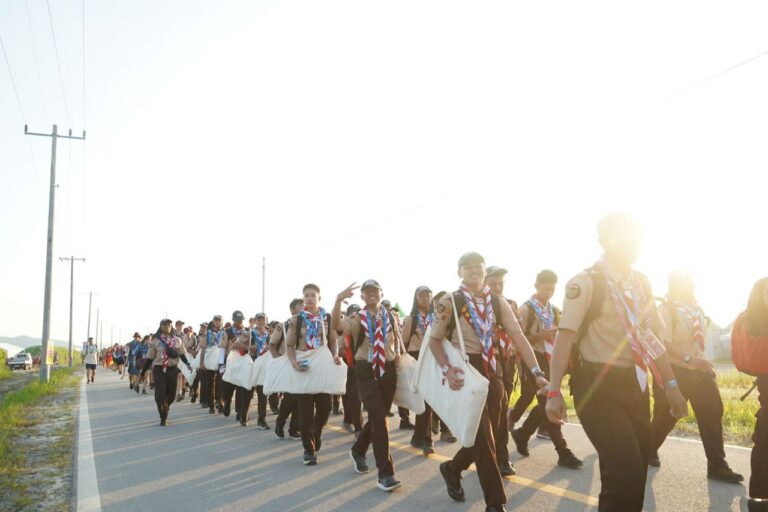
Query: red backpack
x,y
749,353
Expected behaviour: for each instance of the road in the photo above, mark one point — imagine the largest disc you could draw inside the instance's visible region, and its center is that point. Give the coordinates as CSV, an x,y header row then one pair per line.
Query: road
x,y
202,462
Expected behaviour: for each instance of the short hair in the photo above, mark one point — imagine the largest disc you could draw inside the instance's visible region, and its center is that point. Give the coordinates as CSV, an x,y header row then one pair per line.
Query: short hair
x,y
615,224
296,302
310,286
469,258
546,277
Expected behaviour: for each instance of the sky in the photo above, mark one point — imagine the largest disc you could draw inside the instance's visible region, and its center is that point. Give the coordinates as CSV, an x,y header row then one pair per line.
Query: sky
x,y
347,140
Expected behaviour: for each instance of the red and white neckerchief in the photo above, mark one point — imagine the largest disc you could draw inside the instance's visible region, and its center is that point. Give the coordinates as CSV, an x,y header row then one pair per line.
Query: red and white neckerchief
x,y
481,316
377,329
629,303
694,317
167,343
425,321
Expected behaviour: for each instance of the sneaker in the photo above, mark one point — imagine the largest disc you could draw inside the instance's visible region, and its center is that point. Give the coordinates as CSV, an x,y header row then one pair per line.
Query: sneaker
x,y
348,427
163,422
447,437
309,458
428,448
243,423
417,443
280,430
144,391
406,424
388,483
136,389
723,473
654,461
568,460
496,508
361,467
452,482
262,425
294,436
520,443
507,469
193,398
130,385
543,434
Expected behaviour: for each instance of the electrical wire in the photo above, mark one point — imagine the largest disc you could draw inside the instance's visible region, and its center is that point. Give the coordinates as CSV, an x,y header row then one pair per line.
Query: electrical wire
x,y
58,62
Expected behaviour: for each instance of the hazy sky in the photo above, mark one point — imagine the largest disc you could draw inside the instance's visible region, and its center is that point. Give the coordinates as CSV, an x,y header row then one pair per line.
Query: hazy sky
x,y
350,140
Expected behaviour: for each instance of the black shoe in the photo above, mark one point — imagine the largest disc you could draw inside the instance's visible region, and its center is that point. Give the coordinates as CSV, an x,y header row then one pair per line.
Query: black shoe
x,y
243,423
274,410
497,508
568,460
151,385
131,385
520,443
144,391
309,458
227,412
757,505
136,389
337,411
262,425
280,430
723,473
237,417
654,461
163,422
193,398
361,467
180,398
388,483
452,481
506,469
447,437
428,448
294,436
407,425
417,443
211,410
348,427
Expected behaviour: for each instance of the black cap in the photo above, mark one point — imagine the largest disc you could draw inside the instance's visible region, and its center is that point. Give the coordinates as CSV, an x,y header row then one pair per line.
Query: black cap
x,y
495,271
471,257
353,308
371,283
386,303
217,317
238,315
422,289
260,315
136,335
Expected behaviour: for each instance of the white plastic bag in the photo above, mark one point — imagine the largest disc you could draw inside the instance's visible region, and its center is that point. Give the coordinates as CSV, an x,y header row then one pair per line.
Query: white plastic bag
x,y
194,362
239,370
405,396
211,358
322,376
460,409
260,369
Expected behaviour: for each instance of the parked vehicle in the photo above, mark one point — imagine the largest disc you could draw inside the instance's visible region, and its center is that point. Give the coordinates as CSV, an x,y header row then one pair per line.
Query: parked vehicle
x,y
21,361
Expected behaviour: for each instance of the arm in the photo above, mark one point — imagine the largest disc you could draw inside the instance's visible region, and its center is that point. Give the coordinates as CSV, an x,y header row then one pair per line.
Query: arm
x,y
512,328
443,313
336,323
275,340
290,346
407,328
203,345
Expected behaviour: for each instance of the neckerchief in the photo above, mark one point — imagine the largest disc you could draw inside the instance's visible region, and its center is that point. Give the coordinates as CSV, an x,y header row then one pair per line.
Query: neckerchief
x,y
313,324
628,303
377,329
260,341
546,316
694,318
167,342
217,335
482,319
424,321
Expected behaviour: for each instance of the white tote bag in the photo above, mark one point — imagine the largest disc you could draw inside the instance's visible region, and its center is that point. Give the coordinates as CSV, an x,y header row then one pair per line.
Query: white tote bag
x,y
239,370
189,376
211,358
260,369
460,409
194,362
322,376
405,396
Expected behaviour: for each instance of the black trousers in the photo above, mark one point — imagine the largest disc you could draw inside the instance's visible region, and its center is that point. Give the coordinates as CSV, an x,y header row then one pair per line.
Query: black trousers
x,y
758,481
527,394
262,403
700,388
353,408
165,388
274,401
289,406
208,387
243,401
615,414
538,416
377,395
423,427
483,453
313,415
227,390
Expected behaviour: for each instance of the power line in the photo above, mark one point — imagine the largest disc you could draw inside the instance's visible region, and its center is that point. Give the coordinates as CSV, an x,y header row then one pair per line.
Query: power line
x,y
37,61
58,62
717,75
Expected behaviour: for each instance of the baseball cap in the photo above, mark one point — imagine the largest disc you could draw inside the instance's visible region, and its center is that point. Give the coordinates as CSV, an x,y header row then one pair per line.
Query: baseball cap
x,y
260,315
179,322
422,289
370,283
204,324
353,308
136,335
471,257
495,271
238,315
217,317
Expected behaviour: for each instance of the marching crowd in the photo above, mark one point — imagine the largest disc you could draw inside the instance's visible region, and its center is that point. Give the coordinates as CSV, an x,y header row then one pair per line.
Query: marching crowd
x,y
611,337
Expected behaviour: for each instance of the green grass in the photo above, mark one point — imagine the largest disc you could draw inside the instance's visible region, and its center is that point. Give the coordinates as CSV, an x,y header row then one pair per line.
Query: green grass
x,y
5,373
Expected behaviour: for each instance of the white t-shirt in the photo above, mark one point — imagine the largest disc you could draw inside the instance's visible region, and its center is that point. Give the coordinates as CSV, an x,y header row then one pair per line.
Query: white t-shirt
x,y
90,354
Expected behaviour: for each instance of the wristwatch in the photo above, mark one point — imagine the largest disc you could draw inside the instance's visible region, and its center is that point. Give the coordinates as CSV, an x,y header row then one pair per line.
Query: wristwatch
x,y
536,371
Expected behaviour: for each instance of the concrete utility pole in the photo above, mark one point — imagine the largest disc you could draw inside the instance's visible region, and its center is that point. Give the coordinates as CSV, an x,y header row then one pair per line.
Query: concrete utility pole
x,y
72,261
97,340
46,358
263,283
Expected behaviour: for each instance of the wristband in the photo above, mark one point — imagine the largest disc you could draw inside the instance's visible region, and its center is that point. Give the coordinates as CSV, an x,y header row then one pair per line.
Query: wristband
x,y
444,369
554,394
672,384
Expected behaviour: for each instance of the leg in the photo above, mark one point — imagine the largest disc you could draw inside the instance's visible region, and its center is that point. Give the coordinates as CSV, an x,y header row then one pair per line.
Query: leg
x,y
322,412
160,391
227,389
306,421
527,394
708,408
377,397
262,403
758,482
663,422
274,402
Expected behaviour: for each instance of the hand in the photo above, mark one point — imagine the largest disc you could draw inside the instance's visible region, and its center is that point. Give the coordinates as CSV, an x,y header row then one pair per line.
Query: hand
x,y
555,409
337,359
704,365
455,378
678,403
347,293
298,367
543,385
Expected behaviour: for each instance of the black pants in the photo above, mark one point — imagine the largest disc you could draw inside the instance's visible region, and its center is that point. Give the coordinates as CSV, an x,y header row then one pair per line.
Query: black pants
x,y
538,416
208,387
313,414
274,401
195,383
615,414
353,409
165,388
243,401
262,403
227,390
423,428
700,388
527,394
289,406
483,453
377,395
758,481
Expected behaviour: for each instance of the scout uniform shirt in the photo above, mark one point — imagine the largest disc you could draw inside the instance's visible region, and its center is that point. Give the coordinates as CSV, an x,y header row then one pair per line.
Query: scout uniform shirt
x,y
156,350
190,343
525,313
417,338
678,330
322,333
472,342
364,348
278,336
242,335
604,340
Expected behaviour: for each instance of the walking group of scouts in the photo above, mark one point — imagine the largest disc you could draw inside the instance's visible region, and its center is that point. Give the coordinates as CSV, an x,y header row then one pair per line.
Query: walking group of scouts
x,y
610,337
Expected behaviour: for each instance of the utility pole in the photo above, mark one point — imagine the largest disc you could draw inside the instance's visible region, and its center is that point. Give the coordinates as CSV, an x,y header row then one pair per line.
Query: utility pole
x,y
72,261
97,341
263,283
90,298
46,356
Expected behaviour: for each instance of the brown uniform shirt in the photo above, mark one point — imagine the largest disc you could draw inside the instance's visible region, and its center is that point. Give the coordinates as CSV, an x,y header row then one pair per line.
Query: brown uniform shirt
x,y
605,340
472,342
525,312
417,338
302,335
355,327
679,333
156,350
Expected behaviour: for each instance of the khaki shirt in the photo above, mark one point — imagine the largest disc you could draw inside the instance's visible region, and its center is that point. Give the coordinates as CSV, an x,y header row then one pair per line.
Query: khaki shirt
x,y
605,340
681,337
156,350
302,341
417,338
525,311
472,342
354,325
190,343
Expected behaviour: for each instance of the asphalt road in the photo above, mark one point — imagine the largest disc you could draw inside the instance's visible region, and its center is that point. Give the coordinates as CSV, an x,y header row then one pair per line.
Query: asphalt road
x,y
202,462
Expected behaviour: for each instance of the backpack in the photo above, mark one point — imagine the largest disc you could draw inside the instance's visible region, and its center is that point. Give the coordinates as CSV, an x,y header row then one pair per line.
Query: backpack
x,y
748,352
